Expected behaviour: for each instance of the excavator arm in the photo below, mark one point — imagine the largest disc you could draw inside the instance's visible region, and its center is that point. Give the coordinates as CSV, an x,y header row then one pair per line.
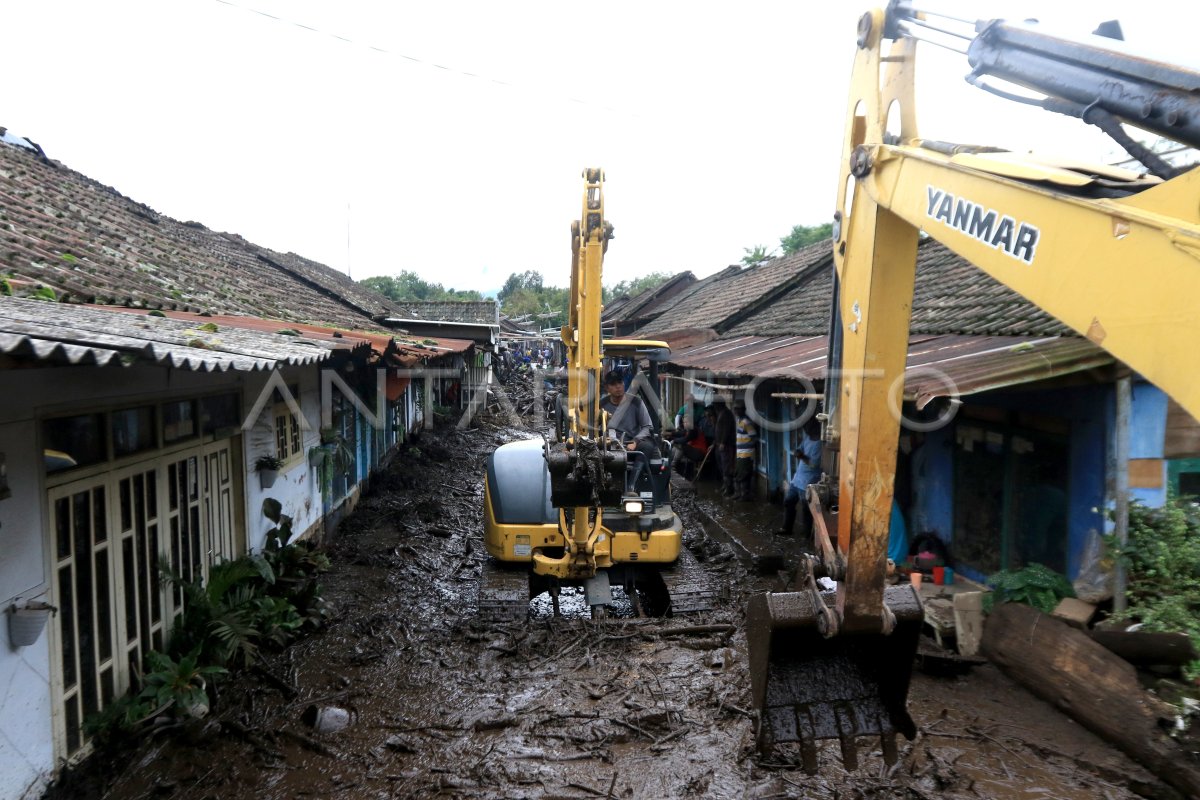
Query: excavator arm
x,y
1122,271
1113,254
585,474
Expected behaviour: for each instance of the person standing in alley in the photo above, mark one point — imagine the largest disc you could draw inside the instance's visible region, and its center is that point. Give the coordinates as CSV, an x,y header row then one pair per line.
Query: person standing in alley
x,y
690,409
747,441
808,470
725,441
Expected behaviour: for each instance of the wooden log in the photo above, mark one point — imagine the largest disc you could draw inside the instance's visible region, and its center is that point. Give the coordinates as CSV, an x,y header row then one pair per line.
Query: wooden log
x,y
968,621
1138,647
1096,688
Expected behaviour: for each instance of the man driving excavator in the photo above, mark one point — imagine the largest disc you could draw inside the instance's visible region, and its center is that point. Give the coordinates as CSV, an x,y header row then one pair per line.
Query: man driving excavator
x,y
628,422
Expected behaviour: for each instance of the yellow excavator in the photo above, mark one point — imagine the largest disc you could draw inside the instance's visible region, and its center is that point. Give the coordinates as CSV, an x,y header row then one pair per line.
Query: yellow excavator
x,y
1112,253
583,508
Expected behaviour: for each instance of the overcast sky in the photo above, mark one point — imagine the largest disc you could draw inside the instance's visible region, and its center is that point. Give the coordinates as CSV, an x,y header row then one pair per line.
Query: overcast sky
x,y
448,138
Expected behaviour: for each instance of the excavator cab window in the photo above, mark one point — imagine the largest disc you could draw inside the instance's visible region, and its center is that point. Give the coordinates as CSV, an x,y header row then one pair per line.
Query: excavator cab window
x,y
649,475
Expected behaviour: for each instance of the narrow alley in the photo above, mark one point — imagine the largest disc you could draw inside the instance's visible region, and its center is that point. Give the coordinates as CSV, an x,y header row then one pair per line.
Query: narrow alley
x,y
419,700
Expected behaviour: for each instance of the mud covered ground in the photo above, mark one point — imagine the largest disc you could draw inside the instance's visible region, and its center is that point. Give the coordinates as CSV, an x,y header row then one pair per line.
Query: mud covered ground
x,y
440,706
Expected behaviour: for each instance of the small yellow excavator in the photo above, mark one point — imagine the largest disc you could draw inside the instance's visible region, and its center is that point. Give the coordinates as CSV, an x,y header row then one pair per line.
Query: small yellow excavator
x,y
1113,253
579,509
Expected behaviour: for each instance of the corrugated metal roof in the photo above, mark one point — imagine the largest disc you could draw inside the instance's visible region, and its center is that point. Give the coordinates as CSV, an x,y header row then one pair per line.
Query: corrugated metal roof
x,y
70,334
405,351
937,365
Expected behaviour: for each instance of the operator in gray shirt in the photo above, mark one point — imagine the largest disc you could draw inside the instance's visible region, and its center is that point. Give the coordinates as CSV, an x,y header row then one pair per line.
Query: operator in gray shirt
x,y
629,423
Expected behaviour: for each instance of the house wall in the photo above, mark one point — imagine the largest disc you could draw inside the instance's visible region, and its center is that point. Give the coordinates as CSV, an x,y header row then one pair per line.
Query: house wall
x,y
479,374
1147,436
1090,437
1086,409
31,706
932,471
26,742
297,487
27,758
775,436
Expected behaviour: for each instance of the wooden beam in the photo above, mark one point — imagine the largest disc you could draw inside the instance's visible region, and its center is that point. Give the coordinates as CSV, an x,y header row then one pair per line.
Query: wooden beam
x,y
1096,688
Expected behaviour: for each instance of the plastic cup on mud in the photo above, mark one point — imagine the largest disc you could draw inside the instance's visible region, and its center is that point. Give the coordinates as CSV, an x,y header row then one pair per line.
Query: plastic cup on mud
x,y
939,575
948,576
915,577
326,719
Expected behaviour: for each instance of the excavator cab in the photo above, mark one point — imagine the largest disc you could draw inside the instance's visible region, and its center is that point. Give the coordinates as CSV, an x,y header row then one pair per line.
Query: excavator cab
x,y
648,477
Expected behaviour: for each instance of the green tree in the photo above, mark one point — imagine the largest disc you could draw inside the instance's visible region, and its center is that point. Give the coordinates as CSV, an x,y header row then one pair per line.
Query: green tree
x,y
756,254
411,286
804,235
636,286
529,279
1162,561
525,294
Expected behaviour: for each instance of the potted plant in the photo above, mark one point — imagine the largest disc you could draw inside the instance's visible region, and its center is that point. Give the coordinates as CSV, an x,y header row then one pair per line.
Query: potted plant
x,y
25,623
317,454
267,468
334,457
182,684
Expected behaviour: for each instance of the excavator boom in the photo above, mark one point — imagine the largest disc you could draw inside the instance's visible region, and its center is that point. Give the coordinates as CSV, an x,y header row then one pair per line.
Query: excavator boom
x,y
1113,254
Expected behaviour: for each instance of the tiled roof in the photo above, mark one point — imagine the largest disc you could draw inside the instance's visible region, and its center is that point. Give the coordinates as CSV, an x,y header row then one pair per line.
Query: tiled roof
x,y
698,291
954,296
720,300
615,309
649,303
481,312
951,296
91,244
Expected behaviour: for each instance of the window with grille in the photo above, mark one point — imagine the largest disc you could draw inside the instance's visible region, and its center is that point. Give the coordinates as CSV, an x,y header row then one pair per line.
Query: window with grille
x,y
289,438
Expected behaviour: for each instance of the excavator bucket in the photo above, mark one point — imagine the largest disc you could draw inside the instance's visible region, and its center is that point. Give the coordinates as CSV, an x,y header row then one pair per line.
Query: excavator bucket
x,y
807,687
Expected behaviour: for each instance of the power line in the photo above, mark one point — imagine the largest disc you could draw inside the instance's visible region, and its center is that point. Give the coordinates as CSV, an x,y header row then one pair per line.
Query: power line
x,y
429,64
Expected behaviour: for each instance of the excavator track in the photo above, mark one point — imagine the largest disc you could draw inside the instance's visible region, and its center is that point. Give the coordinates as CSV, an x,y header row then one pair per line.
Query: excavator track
x,y
691,587
503,593
503,597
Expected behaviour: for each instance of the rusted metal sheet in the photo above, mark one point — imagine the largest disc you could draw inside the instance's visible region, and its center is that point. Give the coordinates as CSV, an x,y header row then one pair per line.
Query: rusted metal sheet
x,y
395,350
937,366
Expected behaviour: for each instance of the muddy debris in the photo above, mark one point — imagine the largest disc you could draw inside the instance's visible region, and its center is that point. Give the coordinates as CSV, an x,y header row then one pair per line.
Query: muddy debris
x,y
437,703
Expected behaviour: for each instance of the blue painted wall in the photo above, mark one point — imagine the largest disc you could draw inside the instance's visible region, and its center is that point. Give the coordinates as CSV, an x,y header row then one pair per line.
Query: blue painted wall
x,y
933,485
1090,410
1090,434
1085,408
1147,432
